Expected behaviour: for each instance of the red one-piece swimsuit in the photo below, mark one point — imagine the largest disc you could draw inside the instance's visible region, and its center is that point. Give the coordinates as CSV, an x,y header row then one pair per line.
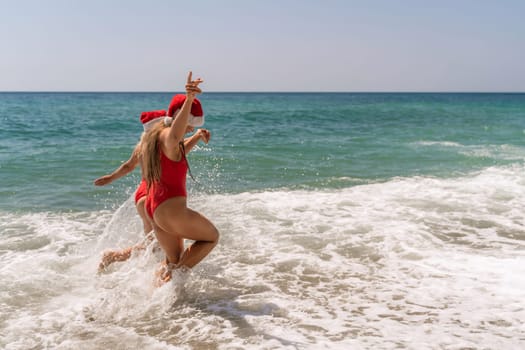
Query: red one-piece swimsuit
x,y
172,182
142,190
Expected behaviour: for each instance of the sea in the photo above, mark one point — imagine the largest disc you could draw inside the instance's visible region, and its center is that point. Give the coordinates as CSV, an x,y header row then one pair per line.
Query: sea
x,y
347,221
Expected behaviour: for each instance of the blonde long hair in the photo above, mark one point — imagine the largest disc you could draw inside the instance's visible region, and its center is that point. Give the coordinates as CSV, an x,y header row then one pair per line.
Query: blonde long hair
x,y
150,151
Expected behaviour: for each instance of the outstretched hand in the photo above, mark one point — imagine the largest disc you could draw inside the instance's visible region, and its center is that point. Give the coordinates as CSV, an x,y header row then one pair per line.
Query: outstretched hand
x,y
103,180
192,86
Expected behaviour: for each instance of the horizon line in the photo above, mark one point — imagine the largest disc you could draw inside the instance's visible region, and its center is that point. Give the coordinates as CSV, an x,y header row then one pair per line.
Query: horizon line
x,y
268,92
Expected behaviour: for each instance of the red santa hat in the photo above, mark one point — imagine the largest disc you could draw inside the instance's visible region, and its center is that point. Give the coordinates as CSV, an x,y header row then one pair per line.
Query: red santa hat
x,y
196,113
149,119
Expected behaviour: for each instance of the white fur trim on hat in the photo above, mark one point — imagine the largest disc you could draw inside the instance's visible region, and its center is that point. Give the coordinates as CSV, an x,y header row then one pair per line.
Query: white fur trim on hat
x,y
151,123
194,121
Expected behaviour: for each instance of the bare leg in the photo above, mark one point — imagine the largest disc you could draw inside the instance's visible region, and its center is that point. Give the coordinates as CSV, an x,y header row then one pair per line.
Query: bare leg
x,y
174,221
173,246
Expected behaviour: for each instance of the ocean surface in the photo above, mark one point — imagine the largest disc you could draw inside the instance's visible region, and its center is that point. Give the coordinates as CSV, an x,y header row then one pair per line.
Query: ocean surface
x,y
347,221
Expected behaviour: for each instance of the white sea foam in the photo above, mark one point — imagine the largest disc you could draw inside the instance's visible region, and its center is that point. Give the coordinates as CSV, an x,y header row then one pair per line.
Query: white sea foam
x,y
438,143
411,263
504,151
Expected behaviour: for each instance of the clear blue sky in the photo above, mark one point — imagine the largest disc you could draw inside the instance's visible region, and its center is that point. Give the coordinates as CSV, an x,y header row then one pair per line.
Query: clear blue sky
x,y
265,45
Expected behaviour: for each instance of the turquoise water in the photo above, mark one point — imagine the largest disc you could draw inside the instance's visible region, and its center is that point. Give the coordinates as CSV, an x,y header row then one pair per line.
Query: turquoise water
x,y
52,145
347,221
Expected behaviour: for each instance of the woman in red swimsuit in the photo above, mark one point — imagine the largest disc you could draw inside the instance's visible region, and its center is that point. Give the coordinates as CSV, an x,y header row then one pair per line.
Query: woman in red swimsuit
x,y
148,119
128,166
165,168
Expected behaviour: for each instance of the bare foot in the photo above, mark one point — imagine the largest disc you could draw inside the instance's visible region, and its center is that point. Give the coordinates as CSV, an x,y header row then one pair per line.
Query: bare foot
x,y
111,256
163,273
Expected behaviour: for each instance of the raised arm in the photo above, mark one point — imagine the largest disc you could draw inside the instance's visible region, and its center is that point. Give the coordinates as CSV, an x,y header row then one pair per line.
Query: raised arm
x,y
180,122
126,167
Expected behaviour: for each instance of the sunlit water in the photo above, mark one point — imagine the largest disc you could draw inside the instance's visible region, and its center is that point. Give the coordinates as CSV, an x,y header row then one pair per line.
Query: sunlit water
x,y
416,246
